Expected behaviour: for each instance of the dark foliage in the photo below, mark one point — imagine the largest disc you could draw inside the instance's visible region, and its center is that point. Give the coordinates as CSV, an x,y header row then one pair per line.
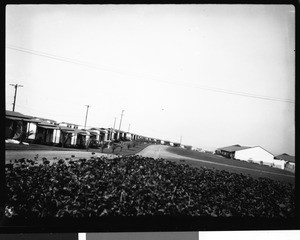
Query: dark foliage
x,y
136,186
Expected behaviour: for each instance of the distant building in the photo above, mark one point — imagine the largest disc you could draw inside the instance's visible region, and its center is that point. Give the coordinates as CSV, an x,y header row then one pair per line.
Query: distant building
x,y
255,154
68,134
208,152
94,134
69,125
188,147
289,161
128,136
230,150
47,132
17,124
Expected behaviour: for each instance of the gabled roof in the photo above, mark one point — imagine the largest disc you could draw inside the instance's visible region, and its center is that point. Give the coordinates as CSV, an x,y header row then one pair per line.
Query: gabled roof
x,y
69,123
233,148
100,130
46,123
286,157
93,132
20,117
120,131
17,114
83,132
48,126
63,128
44,119
263,149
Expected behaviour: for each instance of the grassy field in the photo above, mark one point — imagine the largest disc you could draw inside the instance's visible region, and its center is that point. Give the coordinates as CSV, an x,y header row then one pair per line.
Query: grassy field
x,y
118,151
122,152
255,170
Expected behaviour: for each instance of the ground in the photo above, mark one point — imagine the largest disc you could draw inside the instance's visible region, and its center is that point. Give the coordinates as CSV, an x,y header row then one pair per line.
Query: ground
x,y
17,151
192,158
197,159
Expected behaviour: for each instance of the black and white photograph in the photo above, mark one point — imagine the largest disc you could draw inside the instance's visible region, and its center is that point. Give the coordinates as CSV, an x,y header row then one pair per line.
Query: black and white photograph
x,y
177,114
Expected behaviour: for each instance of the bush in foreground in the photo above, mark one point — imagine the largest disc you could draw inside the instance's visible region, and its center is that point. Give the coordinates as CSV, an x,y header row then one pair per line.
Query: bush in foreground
x,y
134,186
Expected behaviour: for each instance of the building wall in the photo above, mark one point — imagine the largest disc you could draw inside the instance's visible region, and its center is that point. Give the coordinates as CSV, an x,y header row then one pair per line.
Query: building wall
x,y
290,166
278,164
226,153
31,127
255,154
14,128
96,136
56,135
128,136
49,135
73,139
105,137
40,134
82,140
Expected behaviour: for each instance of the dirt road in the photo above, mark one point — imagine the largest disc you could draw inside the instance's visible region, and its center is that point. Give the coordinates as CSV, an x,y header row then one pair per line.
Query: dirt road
x,y
160,151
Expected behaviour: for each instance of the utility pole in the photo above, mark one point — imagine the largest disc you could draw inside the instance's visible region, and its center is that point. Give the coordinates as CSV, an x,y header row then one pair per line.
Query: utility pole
x,y
121,120
113,129
87,110
180,139
115,122
16,87
128,127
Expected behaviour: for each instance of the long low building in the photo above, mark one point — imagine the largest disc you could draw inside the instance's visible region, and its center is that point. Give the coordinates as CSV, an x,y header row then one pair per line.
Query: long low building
x,y
255,154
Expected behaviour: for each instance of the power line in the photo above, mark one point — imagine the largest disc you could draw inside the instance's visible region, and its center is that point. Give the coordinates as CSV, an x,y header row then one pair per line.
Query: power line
x,y
86,64
244,94
68,60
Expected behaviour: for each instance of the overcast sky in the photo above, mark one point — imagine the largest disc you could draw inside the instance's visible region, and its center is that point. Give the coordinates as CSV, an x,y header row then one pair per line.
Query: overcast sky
x,y
217,75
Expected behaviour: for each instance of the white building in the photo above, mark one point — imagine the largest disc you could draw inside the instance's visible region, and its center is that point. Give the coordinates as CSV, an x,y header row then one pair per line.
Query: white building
x,y
47,132
255,154
251,154
68,133
289,161
259,155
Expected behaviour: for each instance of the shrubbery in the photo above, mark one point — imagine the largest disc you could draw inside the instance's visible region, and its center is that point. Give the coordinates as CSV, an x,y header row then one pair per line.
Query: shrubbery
x,y
134,186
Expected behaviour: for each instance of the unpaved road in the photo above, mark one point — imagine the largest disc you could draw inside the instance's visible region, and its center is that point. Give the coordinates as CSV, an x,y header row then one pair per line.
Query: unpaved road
x,y
160,151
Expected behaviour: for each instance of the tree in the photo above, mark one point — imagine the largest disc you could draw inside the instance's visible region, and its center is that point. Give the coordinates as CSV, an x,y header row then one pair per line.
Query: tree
x,y
21,133
65,136
24,136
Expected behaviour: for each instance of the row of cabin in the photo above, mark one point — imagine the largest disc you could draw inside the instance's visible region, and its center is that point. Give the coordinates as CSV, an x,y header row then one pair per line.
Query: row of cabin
x,y
50,132
258,155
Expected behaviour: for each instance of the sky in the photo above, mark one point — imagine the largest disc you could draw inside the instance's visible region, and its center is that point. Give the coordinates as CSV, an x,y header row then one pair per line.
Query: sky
x,y
208,75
